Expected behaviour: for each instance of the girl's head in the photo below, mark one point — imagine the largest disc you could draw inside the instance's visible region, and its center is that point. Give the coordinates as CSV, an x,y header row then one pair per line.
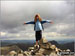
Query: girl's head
x,y
37,16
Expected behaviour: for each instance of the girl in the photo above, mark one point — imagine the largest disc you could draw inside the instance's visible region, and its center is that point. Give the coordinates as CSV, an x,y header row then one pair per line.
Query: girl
x,y
38,27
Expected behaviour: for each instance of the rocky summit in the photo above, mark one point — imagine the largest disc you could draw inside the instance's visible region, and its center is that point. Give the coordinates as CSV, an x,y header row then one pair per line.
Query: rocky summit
x,y
45,48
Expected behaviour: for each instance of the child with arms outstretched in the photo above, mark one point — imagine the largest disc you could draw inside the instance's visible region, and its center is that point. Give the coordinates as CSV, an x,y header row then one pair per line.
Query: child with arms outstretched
x,y
38,27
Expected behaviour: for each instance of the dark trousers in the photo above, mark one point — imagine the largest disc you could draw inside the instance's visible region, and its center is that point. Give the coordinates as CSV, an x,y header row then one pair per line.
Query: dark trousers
x,y
38,35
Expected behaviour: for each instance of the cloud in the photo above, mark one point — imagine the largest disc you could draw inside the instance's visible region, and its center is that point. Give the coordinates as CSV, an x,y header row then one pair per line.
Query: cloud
x,y
62,26
53,34
3,33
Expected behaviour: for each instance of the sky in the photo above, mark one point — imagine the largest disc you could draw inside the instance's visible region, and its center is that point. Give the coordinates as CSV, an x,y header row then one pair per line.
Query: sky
x,y
15,13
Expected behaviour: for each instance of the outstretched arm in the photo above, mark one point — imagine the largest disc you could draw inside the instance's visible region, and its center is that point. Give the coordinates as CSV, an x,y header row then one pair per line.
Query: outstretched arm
x,y
30,22
47,21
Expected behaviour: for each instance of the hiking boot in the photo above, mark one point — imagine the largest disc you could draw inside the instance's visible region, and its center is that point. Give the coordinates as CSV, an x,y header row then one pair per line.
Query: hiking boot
x,y
36,46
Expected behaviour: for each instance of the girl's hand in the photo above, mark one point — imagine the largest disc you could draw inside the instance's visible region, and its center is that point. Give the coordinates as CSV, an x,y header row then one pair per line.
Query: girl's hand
x,y
51,22
24,23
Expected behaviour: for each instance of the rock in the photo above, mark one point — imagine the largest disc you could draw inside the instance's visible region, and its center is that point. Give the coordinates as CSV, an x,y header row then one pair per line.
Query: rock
x,y
20,51
43,40
27,53
30,48
44,44
20,55
53,47
64,50
41,50
12,53
56,49
34,50
44,51
53,54
39,54
68,50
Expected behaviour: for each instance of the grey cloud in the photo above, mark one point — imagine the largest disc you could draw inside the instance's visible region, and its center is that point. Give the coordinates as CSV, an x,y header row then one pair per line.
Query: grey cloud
x,y
12,19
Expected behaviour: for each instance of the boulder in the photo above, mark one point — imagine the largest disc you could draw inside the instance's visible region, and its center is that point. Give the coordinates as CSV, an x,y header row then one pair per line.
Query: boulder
x,y
30,48
27,53
44,51
53,47
20,51
68,50
44,44
12,53
43,40
39,54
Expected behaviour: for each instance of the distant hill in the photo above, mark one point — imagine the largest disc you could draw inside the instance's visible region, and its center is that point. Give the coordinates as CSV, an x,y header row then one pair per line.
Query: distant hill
x,y
65,46
54,43
11,42
16,47
5,50
68,46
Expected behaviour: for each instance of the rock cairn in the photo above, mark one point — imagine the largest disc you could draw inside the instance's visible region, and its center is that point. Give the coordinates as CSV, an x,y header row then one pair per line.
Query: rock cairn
x,y
46,48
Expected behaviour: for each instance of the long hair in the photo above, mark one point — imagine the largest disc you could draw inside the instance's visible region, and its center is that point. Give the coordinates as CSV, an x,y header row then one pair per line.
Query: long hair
x,y
35,19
